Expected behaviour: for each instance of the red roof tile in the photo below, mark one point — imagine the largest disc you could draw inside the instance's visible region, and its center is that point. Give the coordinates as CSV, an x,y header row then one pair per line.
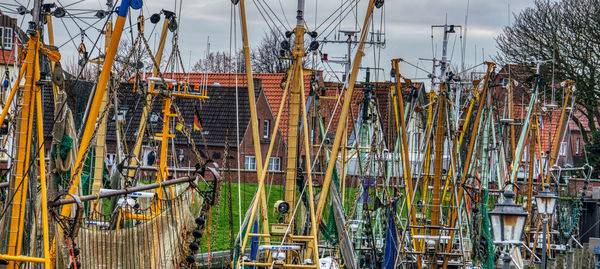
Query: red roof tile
x,y
329,106
521,96
548,124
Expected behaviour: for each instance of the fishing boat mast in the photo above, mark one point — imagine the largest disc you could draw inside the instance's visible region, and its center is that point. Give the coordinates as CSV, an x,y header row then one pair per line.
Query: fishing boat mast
x,y
282,252
29,147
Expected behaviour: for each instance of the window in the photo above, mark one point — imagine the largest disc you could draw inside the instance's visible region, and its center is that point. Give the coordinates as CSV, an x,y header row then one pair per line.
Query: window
x,y
577,146
563,149
417,142
110,158
148,156
121,114
266,129
524,155
275,164
250,163
6,37
154,118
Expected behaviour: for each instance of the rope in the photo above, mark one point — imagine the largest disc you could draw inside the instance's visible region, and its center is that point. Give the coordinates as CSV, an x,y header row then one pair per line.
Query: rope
x,y
349,4
139,243
186,132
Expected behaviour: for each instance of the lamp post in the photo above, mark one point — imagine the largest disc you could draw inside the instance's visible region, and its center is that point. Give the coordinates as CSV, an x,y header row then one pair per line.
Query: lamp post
x,y
546,202
508,221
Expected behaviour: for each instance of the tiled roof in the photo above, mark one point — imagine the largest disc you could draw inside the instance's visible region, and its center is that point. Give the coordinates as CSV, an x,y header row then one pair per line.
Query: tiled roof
x,y
521,96
328,106
382,98
548,124
582,118
522,89
217,115
271,84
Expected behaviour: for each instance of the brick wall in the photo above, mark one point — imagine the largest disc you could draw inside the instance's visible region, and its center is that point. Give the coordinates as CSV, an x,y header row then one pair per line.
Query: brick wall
x,y
264,113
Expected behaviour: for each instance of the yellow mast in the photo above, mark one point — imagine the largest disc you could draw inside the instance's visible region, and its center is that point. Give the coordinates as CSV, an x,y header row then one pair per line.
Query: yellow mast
x,y
30,106
532,140
86,138
100,145
260,196
21,162
557,137
344,112
436,201
467,164
297,95
296,72
294,120
401,129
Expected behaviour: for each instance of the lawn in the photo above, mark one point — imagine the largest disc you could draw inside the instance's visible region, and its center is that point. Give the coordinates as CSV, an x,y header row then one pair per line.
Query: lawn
x,y
222,237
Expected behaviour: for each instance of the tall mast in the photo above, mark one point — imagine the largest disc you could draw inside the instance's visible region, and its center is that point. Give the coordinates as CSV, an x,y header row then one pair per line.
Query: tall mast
x,y
293,148
29,111
297,109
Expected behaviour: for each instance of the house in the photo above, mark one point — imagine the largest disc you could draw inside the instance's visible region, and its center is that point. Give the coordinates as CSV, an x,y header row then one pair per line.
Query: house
x,y
272,87
383,125
570,151
217,118
271,84
11,38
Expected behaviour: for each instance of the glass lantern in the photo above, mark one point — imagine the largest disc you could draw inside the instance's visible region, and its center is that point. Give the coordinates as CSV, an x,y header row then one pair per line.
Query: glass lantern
x,y
508,220
546,201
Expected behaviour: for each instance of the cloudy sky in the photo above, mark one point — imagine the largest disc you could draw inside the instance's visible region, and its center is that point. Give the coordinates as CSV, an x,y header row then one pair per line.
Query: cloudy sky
x,y
406,24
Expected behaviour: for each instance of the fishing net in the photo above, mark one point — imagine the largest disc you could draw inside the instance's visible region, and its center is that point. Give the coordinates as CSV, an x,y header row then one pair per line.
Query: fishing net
x,y
63,151
160,241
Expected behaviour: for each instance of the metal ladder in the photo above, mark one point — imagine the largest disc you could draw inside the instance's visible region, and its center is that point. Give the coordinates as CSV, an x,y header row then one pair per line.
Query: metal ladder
x,y
19,184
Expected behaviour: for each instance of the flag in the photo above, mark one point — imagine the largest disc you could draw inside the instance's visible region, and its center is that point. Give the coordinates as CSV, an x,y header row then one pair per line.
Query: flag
x,y
179,125
197,121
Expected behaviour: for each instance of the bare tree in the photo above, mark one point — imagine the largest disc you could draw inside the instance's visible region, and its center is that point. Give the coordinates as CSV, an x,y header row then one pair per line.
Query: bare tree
x,y
218,62
569,32
132,59
265,57
132,62
73,67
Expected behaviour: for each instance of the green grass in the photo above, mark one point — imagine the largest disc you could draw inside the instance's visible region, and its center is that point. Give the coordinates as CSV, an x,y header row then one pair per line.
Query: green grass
x,y
222,238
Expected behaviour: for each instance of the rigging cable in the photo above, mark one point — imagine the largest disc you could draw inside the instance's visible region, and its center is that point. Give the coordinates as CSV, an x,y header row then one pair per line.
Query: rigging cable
x,y
335,12
275,15
265,18
335,23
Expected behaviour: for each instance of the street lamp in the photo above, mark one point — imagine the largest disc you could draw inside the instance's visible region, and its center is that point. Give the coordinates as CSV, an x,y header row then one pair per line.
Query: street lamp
x,y
546,202
508,221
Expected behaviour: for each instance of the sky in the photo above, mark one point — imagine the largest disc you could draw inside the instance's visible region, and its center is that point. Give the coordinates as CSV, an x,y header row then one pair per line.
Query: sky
x,y
405,23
